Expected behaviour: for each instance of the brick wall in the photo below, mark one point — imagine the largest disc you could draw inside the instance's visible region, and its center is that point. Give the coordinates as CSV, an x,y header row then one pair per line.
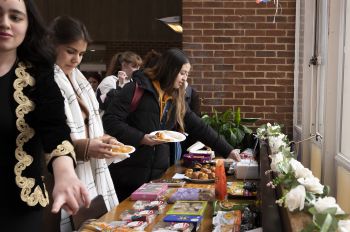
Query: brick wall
x,y
240,57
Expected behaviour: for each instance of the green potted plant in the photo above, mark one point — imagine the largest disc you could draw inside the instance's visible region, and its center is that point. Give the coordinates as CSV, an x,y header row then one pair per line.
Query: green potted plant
x,y
229,124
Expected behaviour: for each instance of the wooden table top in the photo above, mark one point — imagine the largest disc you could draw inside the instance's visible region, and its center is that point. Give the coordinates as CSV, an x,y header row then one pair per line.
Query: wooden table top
x,y
114,214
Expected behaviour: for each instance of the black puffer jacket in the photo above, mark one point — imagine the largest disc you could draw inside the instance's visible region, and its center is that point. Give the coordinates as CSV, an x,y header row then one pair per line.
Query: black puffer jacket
x,y
147,163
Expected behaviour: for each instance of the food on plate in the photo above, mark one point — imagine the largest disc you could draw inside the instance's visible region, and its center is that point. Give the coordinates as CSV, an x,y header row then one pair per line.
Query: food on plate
x,y
160,135
123,149
188,172
203,174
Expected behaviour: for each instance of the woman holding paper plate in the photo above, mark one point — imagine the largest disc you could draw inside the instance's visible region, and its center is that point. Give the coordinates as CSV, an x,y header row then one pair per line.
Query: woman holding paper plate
x,y
161,107
92,146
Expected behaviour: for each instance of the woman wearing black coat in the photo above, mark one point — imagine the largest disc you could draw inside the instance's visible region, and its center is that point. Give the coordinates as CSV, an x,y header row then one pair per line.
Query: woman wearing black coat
x,y
162,85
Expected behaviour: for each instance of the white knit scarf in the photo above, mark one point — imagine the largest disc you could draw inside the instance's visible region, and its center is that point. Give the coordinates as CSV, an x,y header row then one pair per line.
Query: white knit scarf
x,y
93,173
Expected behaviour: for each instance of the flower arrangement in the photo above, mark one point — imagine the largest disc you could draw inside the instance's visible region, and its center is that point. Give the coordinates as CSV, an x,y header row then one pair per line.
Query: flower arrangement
x,y
301,189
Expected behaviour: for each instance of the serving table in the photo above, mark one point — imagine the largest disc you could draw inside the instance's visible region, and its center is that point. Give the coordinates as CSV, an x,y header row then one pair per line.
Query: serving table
x,y
114,214
273,218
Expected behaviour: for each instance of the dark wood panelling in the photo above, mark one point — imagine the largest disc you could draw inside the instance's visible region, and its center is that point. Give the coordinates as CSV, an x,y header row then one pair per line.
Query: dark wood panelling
x,y
118,20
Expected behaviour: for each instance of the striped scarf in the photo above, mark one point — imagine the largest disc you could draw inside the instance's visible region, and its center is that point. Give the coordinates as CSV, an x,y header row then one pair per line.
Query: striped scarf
x,y
94,173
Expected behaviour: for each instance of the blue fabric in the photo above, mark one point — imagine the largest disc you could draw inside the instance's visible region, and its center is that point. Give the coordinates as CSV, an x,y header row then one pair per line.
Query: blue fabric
x,y
177,145
178,151
164,117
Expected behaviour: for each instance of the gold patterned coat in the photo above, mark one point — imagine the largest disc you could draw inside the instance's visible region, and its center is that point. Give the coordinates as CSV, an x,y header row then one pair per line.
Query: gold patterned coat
x,y
41,135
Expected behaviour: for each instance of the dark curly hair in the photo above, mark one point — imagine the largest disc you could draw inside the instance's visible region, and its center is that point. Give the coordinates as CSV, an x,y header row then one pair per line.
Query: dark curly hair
x,y
36,48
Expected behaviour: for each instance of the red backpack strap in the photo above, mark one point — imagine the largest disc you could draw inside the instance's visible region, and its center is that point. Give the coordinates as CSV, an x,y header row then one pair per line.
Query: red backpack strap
x,y
136,98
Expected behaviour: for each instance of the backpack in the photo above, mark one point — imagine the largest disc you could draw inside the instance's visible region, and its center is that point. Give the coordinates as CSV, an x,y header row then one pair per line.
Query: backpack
x,y
136,98
134,102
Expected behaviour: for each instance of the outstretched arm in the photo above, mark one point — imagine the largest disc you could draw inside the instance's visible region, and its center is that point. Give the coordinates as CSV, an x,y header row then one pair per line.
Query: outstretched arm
x,y
69,192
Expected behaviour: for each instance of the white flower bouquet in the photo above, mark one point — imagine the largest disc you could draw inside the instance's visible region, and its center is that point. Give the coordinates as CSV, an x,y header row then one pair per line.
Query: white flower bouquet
x,y
301,190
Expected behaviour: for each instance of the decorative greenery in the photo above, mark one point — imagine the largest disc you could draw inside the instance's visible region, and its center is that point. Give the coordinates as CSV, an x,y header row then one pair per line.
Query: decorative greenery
x,y
325,221
301,190
229,125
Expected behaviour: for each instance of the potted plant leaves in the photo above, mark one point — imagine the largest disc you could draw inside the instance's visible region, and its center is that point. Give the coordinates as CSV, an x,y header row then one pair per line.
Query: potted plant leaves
x,y
229,124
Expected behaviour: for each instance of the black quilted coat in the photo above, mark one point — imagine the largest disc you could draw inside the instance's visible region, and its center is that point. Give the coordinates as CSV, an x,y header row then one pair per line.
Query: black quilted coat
x,y
147,163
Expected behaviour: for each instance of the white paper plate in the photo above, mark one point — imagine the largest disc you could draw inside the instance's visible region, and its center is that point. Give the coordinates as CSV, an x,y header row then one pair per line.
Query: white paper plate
x,y
169,136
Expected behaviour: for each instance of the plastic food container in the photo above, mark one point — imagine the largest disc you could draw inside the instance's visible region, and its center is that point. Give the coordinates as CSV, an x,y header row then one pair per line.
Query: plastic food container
x,y
190,159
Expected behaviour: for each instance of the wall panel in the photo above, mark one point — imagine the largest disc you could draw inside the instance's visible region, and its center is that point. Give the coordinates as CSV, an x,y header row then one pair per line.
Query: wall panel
x,y
118,20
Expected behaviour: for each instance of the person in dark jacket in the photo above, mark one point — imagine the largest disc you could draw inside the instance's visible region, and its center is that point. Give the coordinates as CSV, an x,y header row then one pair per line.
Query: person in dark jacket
x,y
162,106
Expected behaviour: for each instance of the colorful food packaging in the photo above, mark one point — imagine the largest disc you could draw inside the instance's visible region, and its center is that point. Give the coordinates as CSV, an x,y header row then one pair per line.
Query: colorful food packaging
x,y
193,219
188,208
158,206
173,226
192,194
227,221
135,215
149,191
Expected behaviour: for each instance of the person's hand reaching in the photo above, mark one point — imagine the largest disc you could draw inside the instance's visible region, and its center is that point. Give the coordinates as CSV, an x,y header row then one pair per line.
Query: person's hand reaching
x,y
234,154
69,192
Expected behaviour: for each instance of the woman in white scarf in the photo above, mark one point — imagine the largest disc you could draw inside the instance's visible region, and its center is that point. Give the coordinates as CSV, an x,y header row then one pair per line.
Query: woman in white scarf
x,y
71,38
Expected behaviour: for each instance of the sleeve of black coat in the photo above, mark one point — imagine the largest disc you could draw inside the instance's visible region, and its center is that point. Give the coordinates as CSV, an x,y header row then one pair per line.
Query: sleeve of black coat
x,y
195,104
199,130
116,114
50,116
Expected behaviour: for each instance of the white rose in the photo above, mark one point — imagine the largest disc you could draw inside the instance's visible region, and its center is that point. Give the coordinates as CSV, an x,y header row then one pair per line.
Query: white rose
x,y
304,173
295,198
325,203
275,159
312,184
275,142
299,170
344,226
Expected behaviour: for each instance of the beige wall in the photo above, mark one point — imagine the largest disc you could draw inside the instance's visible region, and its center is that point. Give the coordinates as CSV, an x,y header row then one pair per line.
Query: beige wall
x,y
343,189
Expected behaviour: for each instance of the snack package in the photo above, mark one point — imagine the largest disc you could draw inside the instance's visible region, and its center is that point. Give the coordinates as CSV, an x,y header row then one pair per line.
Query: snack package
x,y
230,205
193,219
173,226
93,225
124,226
190,159
227,221
114,226
192,194
135,215
157,206
149,191
188,208
242,189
